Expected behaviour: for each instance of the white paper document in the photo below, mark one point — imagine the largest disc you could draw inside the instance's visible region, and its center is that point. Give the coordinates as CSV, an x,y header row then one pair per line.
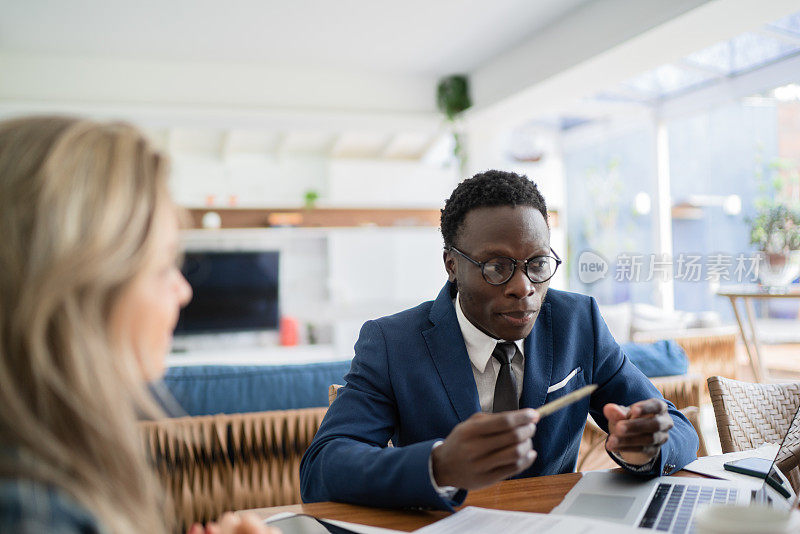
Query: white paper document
x,y
713,465
482,520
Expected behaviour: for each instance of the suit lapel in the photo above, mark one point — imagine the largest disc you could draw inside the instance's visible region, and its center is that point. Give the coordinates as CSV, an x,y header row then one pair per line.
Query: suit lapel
x,y
449,355
538,360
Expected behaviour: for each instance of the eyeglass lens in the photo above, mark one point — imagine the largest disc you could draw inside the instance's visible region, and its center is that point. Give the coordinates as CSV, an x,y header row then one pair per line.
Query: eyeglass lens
x,y
500,270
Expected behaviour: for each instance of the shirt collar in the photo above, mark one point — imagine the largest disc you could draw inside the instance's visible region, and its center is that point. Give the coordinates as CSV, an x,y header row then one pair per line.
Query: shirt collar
x,y
479,344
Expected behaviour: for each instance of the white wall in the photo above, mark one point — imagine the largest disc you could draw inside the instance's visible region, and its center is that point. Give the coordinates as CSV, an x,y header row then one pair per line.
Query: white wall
x,y
493,148
378,183
262,180
246,180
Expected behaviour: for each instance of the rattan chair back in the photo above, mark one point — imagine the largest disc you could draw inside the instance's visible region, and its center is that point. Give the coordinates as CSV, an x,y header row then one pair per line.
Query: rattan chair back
x,y
333,391
750,415
215,463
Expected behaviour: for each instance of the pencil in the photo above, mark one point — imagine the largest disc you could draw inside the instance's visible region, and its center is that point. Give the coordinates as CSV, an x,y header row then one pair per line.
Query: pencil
x,y
566,400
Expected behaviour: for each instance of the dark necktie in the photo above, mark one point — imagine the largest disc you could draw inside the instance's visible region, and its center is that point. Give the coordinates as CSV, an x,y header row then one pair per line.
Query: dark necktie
x,y
505,389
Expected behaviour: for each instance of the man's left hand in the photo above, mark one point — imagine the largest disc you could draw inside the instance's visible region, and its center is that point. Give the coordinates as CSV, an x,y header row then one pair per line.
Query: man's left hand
x,y
637,432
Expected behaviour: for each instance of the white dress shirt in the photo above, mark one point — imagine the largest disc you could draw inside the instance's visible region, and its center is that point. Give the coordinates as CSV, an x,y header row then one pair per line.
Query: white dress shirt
x,y
479,348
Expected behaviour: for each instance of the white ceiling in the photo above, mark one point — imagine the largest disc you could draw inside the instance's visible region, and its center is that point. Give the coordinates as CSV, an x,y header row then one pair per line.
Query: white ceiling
x,y
412,37
344,73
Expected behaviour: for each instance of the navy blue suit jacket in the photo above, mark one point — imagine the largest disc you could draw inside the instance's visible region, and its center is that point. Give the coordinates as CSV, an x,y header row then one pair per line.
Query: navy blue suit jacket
x,y
411,381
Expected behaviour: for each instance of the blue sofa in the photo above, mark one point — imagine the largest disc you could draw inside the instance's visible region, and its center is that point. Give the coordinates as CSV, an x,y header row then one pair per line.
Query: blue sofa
x,y
661,358
213,389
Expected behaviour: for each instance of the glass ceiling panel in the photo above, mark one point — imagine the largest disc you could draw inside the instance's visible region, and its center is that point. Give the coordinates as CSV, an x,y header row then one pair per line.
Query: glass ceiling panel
x,y
716,57
790,24
745,52
666,80
621,94
751,50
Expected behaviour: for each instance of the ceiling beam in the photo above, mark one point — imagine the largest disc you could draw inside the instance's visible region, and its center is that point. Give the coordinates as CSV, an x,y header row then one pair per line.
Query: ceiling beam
x,y
130,82
227,117
784,37
579,37
601,45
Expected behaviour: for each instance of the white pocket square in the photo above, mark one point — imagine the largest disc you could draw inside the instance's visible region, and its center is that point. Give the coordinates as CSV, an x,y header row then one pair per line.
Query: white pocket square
x,y
561,384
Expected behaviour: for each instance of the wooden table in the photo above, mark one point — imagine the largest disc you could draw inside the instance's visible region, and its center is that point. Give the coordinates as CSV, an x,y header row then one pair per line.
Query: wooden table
x,y
748,292
537,494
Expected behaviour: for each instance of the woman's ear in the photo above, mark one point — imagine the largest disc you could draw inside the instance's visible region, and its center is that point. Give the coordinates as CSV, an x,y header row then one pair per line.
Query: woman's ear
x,y
449,265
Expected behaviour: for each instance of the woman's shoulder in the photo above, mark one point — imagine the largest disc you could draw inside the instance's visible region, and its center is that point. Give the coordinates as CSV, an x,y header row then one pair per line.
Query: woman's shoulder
x,y
28,506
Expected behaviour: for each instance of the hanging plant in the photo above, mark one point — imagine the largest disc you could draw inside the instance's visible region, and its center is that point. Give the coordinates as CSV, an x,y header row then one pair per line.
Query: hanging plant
x,y
452,96
452,99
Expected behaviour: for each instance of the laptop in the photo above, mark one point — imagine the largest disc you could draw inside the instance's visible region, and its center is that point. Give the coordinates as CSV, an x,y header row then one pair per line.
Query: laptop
x,y
667,504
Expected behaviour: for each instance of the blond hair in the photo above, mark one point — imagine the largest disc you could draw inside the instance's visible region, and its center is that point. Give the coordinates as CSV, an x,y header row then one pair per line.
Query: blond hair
x,y
77,206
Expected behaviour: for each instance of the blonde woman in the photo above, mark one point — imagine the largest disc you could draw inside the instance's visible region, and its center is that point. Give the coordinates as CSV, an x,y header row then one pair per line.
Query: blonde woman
x,y
89,294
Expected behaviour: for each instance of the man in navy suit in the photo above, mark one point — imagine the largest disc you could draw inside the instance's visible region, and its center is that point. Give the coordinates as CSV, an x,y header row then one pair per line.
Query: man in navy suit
x,y
454,382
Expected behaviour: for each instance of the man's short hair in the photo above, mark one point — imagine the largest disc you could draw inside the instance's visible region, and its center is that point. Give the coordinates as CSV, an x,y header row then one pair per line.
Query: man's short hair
x,y
488,189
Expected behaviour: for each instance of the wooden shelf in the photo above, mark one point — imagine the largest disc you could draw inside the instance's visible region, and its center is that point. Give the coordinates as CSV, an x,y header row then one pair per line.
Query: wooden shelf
x,y
324,217
318,217
687,212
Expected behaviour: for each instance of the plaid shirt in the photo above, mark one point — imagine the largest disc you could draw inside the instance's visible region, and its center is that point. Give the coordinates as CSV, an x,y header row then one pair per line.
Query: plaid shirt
x,y
28,507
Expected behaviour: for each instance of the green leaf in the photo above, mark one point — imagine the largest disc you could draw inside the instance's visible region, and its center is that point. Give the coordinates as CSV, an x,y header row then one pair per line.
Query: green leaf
x,y
452,96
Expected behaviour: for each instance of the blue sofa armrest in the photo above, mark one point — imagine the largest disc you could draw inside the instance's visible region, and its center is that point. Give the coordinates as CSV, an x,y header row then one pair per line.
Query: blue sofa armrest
x,y
212,389
662,358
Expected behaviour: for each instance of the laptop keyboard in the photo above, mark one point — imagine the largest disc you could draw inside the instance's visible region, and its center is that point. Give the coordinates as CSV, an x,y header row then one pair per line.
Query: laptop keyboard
x,y
672,505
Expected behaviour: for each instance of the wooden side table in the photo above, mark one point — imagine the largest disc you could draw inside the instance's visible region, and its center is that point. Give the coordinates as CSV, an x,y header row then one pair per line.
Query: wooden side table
x,y
749,292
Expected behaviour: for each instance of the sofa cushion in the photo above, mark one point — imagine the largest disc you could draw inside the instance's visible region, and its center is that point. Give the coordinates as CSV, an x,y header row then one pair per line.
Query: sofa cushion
x,y
212,389
662,358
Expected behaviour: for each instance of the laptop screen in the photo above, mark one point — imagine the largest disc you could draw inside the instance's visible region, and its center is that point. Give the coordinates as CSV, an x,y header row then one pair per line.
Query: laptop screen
x,y
783,482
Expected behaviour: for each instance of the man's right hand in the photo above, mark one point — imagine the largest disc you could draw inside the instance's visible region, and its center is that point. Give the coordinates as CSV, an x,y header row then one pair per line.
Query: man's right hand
x,y
486,448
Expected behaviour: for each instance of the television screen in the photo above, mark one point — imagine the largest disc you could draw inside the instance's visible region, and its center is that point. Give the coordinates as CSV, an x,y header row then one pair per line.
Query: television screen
x,y
232,291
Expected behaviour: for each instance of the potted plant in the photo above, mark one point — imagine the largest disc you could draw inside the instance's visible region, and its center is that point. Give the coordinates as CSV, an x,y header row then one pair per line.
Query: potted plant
x,y
775,227
310,198
452,99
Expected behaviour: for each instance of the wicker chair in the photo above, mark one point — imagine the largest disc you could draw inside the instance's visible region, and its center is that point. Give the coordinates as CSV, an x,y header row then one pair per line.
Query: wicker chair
x,y
216,463
750,415
710,351
333,391
681,390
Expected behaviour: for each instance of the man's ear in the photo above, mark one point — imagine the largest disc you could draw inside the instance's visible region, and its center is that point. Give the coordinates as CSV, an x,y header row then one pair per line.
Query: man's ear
x,y
449,265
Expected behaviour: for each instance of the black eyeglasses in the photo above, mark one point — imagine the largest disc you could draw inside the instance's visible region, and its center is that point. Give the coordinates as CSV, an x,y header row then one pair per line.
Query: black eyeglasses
x,y
498,271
